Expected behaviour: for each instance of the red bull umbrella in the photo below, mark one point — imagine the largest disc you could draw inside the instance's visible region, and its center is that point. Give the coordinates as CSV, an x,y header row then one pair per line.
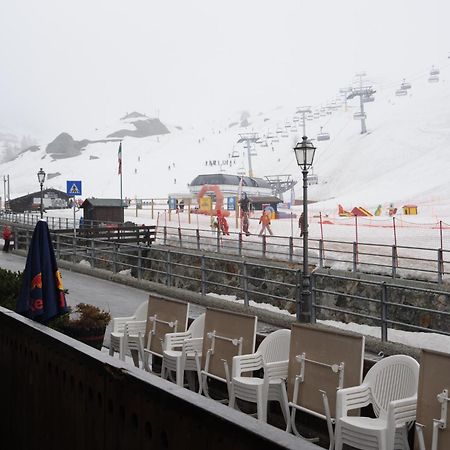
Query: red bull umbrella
x,y
42,295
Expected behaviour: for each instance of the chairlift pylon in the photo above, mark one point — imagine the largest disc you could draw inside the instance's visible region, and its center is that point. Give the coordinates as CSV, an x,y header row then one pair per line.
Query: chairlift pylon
x,y
323,136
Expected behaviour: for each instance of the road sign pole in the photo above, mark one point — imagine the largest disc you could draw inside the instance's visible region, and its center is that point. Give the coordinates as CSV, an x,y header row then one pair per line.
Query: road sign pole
x,y
74,219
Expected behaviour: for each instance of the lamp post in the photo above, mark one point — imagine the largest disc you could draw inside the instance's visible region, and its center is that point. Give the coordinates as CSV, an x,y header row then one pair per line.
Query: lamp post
x,y
304,152
41,178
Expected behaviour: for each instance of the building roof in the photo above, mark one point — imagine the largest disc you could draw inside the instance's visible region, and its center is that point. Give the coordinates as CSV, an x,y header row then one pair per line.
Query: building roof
x,y
104,202
264,199
38,193
231,180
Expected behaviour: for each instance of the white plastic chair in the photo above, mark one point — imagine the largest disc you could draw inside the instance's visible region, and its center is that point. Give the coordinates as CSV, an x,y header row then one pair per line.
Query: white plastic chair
x,y
132,338
182,349
391,387
273,357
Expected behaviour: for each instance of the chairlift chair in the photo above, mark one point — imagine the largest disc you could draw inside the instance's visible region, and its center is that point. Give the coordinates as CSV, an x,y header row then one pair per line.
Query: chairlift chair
x,y
294,129
310,117
405,85
401,92
284,134
323,136
296,119
434,71
241,171
433,79
279,130
235,154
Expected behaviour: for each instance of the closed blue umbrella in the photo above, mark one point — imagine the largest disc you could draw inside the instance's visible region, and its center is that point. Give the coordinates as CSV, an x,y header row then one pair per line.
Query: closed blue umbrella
x,y
42,295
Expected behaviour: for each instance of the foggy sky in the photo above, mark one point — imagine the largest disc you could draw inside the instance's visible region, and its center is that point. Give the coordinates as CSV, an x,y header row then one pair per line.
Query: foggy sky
x,y
73,66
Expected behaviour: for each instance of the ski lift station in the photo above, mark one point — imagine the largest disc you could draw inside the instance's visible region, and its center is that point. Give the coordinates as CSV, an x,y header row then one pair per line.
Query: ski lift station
x,y
229,185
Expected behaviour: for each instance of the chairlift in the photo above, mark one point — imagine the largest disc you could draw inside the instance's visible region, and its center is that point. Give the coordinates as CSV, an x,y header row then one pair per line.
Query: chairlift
x,y
287,125
359,115
401,92
275,139
294,129
368,98
235,154
323,136
270,135
316,114
405,85
309,117
434,71
433,79
253,153
264,143
296,119
241,171
279,130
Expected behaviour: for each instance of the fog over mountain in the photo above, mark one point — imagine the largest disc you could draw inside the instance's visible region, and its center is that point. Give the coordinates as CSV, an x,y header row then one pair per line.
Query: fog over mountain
x,y
177,81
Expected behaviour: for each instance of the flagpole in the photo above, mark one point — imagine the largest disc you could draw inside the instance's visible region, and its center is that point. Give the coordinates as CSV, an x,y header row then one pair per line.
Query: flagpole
x,y
121,196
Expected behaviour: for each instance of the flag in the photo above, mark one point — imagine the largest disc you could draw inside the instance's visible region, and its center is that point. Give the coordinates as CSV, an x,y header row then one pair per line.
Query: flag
x,y
119,157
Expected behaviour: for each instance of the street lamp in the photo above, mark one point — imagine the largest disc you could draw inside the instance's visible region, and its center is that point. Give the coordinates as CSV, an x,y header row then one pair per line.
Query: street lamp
x,y
304,152
41,178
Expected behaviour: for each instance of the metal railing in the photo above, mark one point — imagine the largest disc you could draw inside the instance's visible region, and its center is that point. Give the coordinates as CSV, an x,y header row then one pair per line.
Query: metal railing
x,y
391,260
396,261
379,303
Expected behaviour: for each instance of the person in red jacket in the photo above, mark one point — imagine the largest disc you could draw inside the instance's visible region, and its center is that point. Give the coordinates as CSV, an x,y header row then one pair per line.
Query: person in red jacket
x,y
7,233
222,223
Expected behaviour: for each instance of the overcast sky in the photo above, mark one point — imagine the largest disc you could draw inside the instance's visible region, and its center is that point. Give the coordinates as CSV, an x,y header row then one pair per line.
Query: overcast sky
x,y
74,65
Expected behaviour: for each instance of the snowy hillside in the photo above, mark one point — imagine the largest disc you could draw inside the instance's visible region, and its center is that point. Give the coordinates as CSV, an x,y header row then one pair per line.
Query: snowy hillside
x,y
404,157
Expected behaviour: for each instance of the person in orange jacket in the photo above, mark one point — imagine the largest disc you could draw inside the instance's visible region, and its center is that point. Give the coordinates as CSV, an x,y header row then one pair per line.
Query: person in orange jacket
x,y
7,233
264,220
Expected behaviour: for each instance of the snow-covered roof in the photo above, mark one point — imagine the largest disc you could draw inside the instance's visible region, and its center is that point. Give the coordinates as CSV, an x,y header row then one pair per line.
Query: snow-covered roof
x,y
232,180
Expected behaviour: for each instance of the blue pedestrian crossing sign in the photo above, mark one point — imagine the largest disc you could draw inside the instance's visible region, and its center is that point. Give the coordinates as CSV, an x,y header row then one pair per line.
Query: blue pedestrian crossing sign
x,y
73,188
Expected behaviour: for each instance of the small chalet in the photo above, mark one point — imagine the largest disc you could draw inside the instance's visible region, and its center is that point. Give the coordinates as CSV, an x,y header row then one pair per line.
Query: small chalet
x,y
103,210
261,202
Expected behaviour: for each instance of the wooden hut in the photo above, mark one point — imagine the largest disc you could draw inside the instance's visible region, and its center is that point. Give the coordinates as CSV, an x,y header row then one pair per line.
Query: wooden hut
x,y
103,210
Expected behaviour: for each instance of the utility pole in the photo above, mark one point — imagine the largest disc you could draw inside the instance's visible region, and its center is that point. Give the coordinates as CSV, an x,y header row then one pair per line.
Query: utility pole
x,y
249,139
363,92
6,192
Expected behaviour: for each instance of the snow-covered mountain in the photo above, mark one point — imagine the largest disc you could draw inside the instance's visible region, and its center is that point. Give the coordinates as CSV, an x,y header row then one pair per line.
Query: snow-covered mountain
x,y
403,158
